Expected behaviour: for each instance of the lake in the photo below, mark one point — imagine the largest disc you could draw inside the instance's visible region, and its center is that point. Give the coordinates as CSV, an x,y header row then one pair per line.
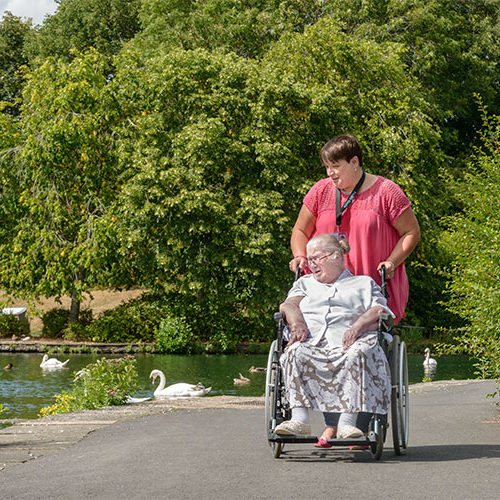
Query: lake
x,y
27,388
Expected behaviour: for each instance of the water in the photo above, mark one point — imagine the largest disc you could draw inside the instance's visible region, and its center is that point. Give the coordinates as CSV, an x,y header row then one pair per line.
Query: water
x,y
27,388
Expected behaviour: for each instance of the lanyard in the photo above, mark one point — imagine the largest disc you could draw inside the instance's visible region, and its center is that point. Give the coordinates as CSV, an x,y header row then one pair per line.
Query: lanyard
x,y
338,210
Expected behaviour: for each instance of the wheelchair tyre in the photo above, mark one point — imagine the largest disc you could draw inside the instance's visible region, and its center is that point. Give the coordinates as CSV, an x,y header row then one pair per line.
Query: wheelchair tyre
x,y
394,360
404,397
377,427
271,397
270,390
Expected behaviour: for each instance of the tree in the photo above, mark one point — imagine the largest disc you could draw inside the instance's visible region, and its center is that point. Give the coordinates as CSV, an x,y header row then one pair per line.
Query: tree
x,y
473,239
246,27
221,150
13,33
67,178
78,25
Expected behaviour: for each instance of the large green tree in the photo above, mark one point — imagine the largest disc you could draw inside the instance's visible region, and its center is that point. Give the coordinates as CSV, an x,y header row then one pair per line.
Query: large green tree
x,y
78,25
13,33
473,240
222,148
64,165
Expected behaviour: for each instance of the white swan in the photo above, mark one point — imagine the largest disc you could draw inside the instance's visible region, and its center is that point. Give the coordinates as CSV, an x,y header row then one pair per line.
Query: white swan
x,y
430,364
52,363
180,390
132,400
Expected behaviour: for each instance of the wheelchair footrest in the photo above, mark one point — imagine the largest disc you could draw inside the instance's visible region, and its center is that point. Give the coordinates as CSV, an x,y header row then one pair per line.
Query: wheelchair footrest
x,y
277,438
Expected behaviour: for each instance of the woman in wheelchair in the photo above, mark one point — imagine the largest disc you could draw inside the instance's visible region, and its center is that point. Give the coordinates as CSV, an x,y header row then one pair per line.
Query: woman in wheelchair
x,y
333,362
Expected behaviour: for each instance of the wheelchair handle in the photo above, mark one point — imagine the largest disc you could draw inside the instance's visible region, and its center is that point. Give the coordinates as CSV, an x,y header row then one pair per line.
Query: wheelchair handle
x,y
383,286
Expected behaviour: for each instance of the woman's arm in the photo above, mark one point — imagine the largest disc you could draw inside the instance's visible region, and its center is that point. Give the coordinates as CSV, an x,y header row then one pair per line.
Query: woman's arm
x,y
409,231
301,234
295,319
366,322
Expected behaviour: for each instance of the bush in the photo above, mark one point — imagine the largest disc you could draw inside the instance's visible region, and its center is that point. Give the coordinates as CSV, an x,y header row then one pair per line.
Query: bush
x,y
174,336
103,383
54,322
10,325
133,321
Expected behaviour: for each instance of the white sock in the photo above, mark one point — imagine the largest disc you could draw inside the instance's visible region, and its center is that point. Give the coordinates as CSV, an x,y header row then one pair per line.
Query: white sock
x,y
300,415
348,419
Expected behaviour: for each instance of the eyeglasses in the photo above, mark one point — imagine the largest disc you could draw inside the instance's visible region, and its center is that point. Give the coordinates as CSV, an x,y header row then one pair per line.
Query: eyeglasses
x,y
316,260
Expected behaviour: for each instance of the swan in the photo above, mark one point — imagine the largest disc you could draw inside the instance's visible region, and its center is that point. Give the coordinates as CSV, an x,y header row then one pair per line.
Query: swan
x,y
52,363
130,400
256,369
180,390
241,381
430,364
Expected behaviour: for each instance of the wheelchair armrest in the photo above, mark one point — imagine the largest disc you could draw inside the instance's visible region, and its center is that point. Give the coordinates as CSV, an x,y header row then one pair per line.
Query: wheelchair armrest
x,y
278,316
385,322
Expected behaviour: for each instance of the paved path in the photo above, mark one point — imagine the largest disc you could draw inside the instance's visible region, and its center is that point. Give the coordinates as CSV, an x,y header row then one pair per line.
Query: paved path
x,y
454,453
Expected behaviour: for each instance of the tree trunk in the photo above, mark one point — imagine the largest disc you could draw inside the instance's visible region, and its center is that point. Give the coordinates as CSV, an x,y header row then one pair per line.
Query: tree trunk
x,y
74,310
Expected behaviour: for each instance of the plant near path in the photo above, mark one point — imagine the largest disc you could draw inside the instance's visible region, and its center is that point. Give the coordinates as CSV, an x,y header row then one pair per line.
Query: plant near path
x,y
107,382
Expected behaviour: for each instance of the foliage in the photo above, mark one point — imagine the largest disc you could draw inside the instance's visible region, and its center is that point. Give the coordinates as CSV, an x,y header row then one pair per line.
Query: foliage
x,y
220,150
174,336
245,27
13,33
54,321
59,241
103,383
473,238
79,25
10,325
134,321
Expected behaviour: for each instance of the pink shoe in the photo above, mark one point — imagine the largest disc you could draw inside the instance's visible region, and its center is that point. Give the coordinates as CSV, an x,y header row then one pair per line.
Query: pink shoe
x,y
322,443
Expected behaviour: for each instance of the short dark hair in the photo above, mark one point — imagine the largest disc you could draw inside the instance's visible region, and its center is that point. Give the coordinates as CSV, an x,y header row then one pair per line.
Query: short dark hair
x,y
342,147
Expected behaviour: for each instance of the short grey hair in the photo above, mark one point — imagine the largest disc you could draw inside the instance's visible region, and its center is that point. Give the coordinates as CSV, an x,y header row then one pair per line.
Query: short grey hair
x,y
329,243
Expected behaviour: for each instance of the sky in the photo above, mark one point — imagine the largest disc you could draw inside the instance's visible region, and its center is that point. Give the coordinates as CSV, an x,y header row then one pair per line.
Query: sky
x,y
36,9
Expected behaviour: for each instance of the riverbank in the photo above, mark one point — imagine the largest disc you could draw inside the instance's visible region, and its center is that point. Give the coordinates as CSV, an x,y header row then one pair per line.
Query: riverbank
x,y
29,439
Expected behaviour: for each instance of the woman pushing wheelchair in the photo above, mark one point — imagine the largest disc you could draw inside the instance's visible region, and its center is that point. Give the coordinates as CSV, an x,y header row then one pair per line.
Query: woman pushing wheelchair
x,y
333,362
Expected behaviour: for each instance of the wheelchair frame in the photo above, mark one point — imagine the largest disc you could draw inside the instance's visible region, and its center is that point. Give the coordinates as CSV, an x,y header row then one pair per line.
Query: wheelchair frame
x,y
277,410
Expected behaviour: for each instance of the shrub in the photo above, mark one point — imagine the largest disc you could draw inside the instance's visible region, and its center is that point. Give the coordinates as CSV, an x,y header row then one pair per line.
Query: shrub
x,y
75,332
133,321
174,336
103,383
54,322
10,325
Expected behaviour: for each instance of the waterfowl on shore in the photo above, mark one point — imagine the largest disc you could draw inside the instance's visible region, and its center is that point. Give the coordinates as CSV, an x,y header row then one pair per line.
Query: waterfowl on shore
x,y
241,381
430,364
180,390
52,363
256,369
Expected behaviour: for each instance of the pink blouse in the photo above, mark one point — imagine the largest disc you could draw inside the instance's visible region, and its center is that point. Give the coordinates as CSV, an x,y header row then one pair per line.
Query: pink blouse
x,y
368,223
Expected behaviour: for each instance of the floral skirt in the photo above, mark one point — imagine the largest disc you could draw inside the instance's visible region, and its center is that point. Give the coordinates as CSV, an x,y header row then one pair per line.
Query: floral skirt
x,y
332,380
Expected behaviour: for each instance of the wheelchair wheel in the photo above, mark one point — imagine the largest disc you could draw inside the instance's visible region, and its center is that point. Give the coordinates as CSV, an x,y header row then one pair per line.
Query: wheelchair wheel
x,y
394,360
272,397
399,395
404,396
376,431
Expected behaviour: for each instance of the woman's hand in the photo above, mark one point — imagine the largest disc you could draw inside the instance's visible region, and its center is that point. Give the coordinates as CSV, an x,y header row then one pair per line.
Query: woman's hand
x,y
299,261
298,333
350,336
389,268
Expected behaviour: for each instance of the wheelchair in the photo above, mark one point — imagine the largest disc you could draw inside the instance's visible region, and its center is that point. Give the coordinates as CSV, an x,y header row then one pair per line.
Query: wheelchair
x,y
277,409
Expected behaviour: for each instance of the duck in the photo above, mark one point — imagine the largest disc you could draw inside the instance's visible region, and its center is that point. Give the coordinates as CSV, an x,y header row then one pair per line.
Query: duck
x,y
256,369
241,381
430,364
8,367
180,390
52,363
